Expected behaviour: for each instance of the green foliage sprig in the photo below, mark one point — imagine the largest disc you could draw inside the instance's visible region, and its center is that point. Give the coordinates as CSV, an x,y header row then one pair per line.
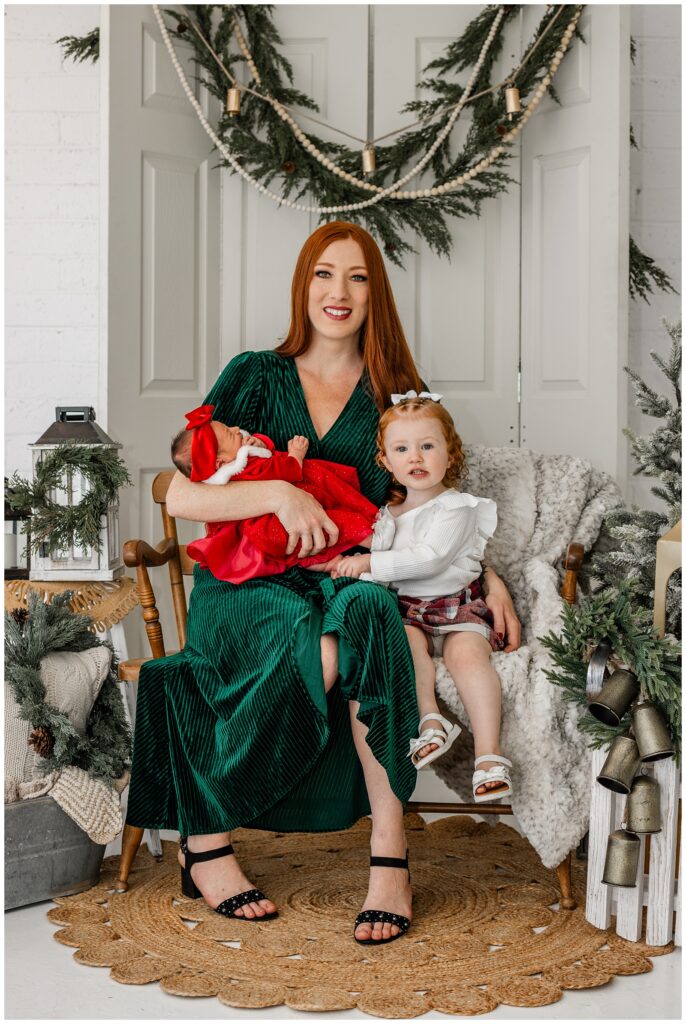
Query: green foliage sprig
x,y
64,526
655,660
105,751
80,48
644,274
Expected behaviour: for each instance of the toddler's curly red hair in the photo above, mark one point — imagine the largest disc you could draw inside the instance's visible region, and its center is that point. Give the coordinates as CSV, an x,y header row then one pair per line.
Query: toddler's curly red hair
x,y
426,407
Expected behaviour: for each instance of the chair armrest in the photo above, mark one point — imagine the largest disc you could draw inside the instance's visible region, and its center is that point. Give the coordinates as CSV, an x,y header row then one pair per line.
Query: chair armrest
x,y
572,563
139,556
138,553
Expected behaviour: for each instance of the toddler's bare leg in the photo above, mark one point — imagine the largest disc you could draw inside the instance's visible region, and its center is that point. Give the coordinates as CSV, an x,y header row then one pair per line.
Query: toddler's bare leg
x,y
467,657
425,678
329,647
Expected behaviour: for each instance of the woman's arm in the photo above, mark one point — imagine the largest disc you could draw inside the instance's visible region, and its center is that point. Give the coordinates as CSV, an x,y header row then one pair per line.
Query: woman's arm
x,y
498,599
299,513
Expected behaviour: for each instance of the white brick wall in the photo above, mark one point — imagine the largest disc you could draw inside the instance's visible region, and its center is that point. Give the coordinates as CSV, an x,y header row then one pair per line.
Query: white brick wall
x,y
52,223
655,194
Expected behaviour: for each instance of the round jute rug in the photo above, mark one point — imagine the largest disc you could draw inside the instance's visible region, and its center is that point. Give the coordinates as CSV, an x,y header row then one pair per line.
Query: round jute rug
x,y
484,931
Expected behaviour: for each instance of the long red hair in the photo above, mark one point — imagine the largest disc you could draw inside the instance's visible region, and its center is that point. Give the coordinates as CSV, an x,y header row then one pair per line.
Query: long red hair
x,y
386,354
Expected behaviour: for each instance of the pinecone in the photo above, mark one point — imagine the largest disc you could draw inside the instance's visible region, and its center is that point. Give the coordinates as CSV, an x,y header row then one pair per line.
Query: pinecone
x,y
288,166
42,740
20,615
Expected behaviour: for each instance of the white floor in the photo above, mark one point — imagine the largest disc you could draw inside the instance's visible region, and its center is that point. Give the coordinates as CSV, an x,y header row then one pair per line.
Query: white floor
x,y
43,982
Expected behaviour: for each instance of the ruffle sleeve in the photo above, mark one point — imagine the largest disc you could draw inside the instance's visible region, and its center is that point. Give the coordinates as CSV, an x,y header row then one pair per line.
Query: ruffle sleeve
x,y
484,519
384,530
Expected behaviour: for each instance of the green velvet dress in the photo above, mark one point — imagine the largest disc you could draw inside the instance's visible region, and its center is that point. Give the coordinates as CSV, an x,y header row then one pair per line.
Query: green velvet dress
x,y
236,729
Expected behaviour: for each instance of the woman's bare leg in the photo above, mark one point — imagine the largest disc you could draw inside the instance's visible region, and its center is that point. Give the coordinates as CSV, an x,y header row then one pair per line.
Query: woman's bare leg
x,y
389,888
329,647
467,657
425,681
220,879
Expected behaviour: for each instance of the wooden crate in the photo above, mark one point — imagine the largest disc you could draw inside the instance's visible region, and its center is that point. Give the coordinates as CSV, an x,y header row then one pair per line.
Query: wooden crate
x,y
656,886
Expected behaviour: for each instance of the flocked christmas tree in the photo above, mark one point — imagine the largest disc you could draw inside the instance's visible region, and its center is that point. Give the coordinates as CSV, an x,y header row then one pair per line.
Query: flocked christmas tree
x,y
657,456
620,606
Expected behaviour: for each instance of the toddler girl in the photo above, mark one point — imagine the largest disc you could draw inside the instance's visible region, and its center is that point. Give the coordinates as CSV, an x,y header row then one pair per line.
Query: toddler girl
x,y
427,545
209,451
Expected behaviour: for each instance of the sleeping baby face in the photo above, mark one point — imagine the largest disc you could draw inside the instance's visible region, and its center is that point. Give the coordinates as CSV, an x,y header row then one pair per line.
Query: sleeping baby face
x,y
229,440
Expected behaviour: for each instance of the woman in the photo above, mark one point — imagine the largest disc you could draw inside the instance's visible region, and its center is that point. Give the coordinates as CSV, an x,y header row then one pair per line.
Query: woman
x,y
257,734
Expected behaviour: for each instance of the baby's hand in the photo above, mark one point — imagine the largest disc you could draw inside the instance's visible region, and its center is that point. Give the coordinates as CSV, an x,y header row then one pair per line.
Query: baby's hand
x,y
353,565
254,442
297,447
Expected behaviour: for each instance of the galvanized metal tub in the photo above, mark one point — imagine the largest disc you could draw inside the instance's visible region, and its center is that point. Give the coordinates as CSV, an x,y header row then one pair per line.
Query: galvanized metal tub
x,y
46,853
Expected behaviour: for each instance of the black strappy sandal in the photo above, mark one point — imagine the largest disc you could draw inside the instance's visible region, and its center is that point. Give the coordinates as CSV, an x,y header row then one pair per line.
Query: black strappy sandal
x,y
384,916
227,907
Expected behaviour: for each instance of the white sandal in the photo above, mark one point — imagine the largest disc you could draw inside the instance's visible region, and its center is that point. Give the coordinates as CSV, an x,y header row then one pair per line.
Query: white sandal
x,y
497,773
444,737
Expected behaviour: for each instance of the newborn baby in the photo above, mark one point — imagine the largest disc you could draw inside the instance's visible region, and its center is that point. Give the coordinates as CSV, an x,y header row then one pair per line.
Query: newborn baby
x,y
213,453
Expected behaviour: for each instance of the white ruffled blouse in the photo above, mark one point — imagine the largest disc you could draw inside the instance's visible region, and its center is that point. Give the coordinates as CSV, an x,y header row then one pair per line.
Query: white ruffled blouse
x,y
435,549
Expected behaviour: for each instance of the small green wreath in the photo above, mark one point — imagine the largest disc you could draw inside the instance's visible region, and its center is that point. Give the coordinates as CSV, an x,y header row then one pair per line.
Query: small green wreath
x,y
64,526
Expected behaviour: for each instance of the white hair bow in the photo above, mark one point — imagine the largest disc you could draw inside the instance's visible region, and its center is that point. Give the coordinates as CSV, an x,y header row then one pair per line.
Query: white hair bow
x,y
396,399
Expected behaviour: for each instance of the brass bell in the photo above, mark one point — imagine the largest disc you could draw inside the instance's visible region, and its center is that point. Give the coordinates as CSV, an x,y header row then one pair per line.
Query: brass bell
x,y
621,859
620,765
233,102
512,104
651,732
368,160
615,698
643,806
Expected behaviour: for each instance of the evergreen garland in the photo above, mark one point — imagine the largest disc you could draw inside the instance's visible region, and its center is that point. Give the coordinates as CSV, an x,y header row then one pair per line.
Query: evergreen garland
x,y
656,661
105,751
278,154
267,148
63,526
658,456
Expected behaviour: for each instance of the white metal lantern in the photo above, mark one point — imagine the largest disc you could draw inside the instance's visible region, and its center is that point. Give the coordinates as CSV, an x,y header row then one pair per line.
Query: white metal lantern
x,y
76,425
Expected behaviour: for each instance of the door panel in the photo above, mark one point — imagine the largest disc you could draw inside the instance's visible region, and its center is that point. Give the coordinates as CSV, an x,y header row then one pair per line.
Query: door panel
x,y
575,225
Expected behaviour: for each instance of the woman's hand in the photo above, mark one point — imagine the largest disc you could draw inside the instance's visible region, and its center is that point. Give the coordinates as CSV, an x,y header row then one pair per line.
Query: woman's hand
x,y
352,565
505,621
304,520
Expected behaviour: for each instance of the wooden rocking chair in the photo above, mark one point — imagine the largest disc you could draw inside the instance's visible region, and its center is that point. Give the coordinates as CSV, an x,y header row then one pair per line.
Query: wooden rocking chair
x,y
141,556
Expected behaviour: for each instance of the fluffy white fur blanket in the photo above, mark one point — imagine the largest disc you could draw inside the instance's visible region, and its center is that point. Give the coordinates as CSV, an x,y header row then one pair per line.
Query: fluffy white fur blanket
x,y
544,503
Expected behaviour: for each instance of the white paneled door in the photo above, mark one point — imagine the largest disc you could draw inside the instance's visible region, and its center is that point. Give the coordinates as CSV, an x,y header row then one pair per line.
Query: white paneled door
x,y
523,329
162,316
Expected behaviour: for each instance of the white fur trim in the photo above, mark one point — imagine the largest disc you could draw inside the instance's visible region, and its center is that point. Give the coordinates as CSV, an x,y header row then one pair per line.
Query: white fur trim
x,y
229,469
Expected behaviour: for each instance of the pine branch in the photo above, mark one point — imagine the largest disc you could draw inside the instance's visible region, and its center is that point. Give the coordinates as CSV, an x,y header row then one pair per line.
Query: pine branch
x,y
644,274
81,48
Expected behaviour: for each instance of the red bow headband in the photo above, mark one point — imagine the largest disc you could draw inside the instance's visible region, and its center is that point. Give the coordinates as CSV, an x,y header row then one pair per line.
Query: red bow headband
x,y
204,443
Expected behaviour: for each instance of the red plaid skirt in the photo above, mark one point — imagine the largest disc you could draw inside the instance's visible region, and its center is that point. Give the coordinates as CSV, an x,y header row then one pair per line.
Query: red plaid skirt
x,y
463,612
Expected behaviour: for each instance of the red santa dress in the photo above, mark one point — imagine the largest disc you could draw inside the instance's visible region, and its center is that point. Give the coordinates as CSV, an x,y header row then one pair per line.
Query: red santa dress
x,y
244,549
